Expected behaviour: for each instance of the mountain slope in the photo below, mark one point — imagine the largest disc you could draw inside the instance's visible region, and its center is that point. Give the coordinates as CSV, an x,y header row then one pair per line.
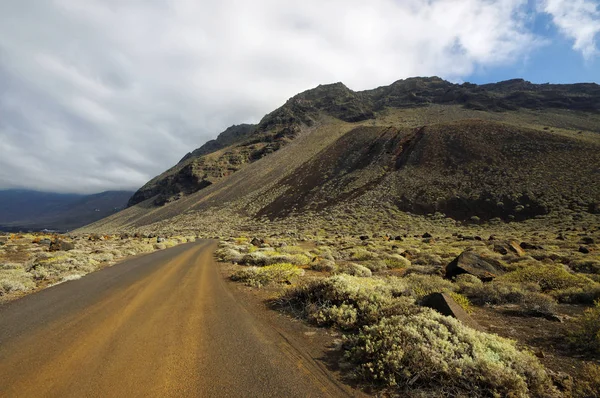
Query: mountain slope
x,y
240,145
508,151
24,209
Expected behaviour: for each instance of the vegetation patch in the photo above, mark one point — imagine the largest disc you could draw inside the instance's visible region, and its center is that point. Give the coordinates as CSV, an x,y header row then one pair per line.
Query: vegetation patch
x,y
262,276
430,352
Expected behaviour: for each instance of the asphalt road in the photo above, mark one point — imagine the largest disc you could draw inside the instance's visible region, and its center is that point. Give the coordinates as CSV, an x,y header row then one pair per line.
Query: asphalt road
x,y
161,325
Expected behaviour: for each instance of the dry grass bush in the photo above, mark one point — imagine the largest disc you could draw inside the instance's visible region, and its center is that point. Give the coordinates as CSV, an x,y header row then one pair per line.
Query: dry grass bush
x,y
262,276
557,282
426,352
397,261
347,301
585,266
526,295
360,254
586,330
588,384
355,270
14,278
324,265
463,301
419,286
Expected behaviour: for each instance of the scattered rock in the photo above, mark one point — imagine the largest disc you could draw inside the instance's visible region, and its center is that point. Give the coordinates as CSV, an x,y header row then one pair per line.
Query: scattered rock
x,y
398,238
509,247
45,242
583,249
530,246
60,245
476,264
257,242
540,354
426,235
364,237
160,239
445,304
587,240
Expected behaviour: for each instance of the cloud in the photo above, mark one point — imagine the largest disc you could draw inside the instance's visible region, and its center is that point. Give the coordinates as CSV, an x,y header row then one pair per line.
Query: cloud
x,y
577,19
105,94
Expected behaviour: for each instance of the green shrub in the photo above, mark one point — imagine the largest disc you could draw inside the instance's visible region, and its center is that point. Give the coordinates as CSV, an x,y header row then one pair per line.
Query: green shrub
x,y
362,255
419,286
462,301
431,352
397,261
324,265
262,276
347,301
586,330
355,270
375,265
548,277
261,259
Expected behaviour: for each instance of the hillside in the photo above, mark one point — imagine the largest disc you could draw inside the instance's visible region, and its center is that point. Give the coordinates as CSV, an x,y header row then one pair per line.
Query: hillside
x,y
24,209
240,145
505,151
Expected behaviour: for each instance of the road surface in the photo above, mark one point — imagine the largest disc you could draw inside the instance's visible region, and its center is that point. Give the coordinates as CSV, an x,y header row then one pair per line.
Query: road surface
x,y
160,325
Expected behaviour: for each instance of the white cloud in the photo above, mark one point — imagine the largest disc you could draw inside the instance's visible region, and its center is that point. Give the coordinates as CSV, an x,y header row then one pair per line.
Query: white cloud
x,y
104,94
577,19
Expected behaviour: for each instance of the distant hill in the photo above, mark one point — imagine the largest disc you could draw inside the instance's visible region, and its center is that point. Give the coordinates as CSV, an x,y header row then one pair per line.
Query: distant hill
x,y
33,210
507,151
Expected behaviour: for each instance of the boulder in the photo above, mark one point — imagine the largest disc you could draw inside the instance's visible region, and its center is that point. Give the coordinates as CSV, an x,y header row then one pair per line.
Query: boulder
x,y
60,245
476,264
530,246
160,239
445,304
257,242
509,247
584,250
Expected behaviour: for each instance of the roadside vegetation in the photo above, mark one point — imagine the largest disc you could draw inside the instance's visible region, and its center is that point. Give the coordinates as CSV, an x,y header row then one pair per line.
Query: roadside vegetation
x,y
374,289
29,262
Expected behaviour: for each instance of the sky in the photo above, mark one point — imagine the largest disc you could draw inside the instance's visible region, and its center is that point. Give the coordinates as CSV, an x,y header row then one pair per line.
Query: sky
x,y
105,94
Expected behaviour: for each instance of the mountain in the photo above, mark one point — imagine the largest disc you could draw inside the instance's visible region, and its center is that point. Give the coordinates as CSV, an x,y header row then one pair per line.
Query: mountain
x,y
508,151
25,209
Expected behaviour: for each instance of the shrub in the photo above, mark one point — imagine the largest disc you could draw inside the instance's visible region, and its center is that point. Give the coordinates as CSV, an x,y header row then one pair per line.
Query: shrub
x,y
497,292
375,265
538,303
428,351
259,258
324,265
586,330
347,301
588,384
548,277
462,301
362,255
15,279
397,261
228,254
577,295
355,270
419,286
262,276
